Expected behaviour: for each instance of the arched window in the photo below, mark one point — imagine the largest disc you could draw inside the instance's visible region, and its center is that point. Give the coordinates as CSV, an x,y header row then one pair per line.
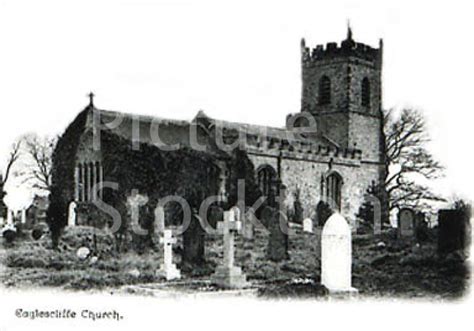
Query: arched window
x,y
333,190
266,179
365,91
324,90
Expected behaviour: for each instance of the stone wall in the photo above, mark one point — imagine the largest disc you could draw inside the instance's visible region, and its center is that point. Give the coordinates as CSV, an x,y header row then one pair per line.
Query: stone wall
x,y
306,175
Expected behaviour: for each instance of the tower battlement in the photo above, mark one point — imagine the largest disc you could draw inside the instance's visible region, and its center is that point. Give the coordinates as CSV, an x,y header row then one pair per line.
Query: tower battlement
x,y
347,48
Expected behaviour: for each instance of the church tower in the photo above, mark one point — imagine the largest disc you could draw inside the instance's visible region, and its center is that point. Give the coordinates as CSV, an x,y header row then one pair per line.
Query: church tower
x,y
342,89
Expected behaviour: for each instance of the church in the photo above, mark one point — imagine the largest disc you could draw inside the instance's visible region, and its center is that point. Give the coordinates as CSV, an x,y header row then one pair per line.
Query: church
x,y
336,162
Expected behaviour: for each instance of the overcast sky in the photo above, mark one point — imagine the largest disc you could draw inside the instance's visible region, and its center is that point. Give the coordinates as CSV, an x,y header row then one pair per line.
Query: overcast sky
x,y
235,60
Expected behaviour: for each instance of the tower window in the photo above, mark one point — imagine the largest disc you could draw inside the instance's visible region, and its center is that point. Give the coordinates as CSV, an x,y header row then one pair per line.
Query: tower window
x,y
266,179
324,90
333,190
365,91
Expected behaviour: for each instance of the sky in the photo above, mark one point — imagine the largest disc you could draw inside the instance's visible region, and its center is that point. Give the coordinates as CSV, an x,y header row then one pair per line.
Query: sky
x,y
236,60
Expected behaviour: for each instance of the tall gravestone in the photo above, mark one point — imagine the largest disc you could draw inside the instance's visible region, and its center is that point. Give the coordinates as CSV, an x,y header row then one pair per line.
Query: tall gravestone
x,y
227,274
23,216
406,223
336,255
194,242
248,224
454,231
278,239
72,214
9,217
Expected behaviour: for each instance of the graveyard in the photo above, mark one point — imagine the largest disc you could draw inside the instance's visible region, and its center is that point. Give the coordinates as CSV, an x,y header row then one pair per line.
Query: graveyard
x,y
250,259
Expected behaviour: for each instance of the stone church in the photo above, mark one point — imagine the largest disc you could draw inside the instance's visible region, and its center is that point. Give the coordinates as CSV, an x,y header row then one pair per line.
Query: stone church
x,y
341,92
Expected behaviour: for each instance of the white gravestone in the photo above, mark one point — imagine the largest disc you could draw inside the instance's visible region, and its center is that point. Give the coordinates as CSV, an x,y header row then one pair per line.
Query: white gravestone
x,y
23,216
168,268
228,275
336,255
9,217
72,214
308,225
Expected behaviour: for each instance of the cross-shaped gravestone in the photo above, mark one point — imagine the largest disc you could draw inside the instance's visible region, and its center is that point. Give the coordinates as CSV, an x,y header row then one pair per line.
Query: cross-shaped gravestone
x,y
168,268
228,275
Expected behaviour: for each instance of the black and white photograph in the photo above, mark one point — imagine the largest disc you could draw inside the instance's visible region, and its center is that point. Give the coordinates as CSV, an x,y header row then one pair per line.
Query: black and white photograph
x,y
235,164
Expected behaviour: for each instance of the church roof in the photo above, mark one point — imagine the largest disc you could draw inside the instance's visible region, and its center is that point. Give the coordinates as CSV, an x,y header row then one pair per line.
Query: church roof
x,y
152,129
261,130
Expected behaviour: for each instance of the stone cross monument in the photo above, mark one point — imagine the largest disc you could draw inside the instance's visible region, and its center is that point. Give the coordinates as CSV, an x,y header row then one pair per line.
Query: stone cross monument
x,y
168,268
228,275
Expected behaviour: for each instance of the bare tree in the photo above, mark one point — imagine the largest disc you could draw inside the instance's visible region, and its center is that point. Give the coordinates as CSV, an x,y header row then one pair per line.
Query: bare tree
x,y
37,165
13,157
410,165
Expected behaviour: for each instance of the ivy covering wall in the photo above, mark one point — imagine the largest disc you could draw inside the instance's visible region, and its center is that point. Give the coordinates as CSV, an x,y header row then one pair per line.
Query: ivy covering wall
x,y
154,173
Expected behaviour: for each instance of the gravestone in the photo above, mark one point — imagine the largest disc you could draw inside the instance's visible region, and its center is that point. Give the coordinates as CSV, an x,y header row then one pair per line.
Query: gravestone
x,y
377,225
406,223
336,255
247,224
9,216
23,216
308,225
134,204
278,239
266,215
72,214
227,274
193,242
453,231
168,268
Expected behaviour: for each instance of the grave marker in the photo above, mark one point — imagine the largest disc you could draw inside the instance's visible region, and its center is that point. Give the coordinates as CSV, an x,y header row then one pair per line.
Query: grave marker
x,y
406,223
168,268
228,275
308,225
278,239
247,225
336,255
9,217
72,214
194,242
454,231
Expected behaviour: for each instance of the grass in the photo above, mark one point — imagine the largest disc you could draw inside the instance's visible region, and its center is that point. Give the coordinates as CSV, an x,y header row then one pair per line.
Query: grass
x,y
395,269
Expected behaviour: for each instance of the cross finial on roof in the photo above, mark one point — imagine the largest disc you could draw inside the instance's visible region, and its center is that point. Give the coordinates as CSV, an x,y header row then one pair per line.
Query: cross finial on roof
x,y
91,96
349,30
